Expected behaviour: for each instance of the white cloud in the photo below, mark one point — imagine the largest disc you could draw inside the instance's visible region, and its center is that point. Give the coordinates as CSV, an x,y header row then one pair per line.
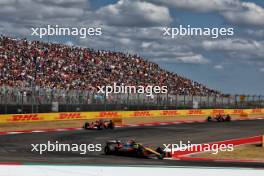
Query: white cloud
x,y
250,14
218,67
234,11
136,35
246,50
254,33
261,70
69,43
64,3
200,5
18,16
186,58
26,10
233,44
193,59
134,13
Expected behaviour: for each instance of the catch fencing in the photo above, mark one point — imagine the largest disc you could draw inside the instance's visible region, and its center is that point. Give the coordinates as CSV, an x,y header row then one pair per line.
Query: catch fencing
x,y
27,100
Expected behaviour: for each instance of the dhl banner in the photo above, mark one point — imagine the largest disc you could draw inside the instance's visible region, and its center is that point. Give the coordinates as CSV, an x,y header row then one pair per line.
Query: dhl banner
x,y
14,118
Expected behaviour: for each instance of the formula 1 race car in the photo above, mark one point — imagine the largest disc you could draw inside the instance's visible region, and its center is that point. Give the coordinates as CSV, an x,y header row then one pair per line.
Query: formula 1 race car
x,y
131,148
99,125
219,118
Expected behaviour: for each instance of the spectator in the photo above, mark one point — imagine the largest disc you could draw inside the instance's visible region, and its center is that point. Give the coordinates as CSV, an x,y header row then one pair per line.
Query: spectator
x,y
57,66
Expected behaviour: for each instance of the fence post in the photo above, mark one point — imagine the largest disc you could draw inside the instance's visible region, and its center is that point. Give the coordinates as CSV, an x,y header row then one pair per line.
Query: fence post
x,y
5,103
200,103
208,100
192,102
260,101
176,104
167,101
22,103
215,101
105,101
222,102
127,101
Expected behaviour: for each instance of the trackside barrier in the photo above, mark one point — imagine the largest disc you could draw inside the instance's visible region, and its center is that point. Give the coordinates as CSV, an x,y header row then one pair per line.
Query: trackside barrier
x,y
16,118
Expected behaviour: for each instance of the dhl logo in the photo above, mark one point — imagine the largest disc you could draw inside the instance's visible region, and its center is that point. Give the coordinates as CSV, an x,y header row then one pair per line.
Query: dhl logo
x,y
238,111
195,112
108,114
256,111
218,111
169,113
141,114
25,117
63,116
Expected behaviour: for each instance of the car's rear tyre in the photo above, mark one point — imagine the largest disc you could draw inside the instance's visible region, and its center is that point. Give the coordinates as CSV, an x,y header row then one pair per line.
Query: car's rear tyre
x,y
228,119
100,127
209,119
107,150
111,126
160,157
86,125
162,153
140,152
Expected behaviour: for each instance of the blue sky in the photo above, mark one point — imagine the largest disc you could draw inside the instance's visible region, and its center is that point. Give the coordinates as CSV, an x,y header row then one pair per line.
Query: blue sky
x,y
232,64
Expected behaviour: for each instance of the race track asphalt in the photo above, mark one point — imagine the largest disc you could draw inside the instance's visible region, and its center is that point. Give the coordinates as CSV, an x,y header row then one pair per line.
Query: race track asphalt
x,y
17,147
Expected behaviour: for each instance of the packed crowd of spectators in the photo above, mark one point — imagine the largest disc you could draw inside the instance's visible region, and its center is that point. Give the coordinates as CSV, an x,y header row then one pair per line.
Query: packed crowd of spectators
x,y
58,66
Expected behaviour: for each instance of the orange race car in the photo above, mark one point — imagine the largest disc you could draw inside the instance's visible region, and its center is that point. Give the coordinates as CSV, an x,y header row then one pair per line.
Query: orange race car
x,y
132,148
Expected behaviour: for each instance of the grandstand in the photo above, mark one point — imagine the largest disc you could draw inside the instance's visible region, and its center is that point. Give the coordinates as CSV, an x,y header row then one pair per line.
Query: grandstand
x,y
35,74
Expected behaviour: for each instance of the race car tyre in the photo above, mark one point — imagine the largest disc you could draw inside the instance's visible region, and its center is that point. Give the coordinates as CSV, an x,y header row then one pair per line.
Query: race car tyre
x,y
228,118
161,151
107,150
140,152
160,157
100,127
111,126
86,125
209,119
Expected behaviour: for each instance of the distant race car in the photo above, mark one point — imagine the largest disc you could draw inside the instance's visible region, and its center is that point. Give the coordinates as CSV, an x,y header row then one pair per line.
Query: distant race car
x,y
131,148
99,125
219,118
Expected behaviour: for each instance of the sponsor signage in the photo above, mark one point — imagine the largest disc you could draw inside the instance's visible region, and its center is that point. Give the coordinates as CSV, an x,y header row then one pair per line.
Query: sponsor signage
x,y
24,118
195,112
67,116
108,114
141,114
14,118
